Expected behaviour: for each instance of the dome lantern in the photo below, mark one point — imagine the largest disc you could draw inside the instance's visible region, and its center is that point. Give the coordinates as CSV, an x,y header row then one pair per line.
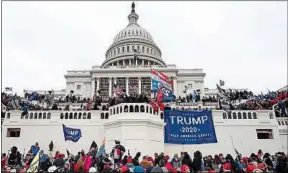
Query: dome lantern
x,y
133,17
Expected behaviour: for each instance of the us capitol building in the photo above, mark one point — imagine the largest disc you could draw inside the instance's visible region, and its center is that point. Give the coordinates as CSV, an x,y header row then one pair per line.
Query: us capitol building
x,y
122,68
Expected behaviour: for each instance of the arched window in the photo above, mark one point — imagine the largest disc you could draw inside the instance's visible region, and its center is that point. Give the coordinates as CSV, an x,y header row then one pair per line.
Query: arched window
x,y
120,109
244,115
239,115
255,115
71,115
26,116
31,116
40,116
125,108
35,115
128,50
115,52
123,49
234,115
102,115
118,50
44,115
113,111
125,33
84,115
249,115
106,115
117,110
224,115
66,115
140,32
150,110
129,32
147,50
80,116
137,33
49,115
138,48
142,108
147,109
136,108
131,109
143,49
229,115
75,115
89,115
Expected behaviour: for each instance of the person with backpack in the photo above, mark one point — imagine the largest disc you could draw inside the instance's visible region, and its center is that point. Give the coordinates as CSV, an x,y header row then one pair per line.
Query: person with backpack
x,y
117,153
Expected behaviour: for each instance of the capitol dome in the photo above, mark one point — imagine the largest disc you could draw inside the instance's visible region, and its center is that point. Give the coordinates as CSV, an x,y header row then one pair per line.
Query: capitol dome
x,y
130,41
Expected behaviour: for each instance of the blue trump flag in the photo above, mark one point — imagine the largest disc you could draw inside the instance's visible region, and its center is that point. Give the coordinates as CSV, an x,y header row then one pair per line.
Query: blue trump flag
x,y
189,127
71,134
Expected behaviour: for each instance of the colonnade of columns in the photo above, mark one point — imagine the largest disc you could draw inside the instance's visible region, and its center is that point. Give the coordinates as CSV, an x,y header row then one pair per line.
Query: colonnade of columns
x,y
97,80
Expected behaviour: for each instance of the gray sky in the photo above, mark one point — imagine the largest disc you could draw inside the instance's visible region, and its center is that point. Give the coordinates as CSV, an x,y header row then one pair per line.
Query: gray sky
x,y
242,43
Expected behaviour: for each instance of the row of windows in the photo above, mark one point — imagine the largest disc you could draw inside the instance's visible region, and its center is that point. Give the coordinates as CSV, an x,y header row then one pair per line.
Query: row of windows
x,y
283,123
36,115
127,63
132,33
240,115
125,49
76,115
133,108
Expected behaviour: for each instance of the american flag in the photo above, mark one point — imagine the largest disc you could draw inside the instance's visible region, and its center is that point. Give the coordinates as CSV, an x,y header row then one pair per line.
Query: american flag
x,y
117,90
133,87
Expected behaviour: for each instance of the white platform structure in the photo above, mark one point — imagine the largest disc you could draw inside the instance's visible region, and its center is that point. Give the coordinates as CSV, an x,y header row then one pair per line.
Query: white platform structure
x,y
140,128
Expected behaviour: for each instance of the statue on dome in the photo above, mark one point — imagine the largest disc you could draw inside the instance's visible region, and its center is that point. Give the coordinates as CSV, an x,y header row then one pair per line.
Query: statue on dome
x,y
133,5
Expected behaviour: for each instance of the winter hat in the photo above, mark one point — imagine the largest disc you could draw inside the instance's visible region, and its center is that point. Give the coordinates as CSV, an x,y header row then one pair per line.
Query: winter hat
x,y
52,169
129,160
167,157
124,169
92,169
157,170
139,169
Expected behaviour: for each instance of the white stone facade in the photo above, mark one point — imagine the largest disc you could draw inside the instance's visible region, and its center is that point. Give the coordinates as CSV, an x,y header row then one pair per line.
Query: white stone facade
x,y
141,131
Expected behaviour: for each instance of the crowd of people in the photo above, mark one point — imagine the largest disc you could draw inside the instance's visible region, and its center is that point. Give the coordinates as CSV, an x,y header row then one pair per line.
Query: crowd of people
x,y
36,101
120,161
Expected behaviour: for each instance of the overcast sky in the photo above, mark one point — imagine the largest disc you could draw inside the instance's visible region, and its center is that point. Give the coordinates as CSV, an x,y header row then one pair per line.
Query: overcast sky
x,y
242,43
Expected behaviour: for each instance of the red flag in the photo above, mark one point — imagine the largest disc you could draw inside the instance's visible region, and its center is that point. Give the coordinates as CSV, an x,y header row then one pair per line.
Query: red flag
x,y
154,105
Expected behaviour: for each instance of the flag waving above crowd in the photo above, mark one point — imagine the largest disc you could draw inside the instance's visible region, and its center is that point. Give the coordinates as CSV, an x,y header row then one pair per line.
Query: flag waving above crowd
x,y
161,81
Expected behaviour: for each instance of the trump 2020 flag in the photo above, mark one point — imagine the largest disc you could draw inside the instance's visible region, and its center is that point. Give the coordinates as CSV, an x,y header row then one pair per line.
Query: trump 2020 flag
x,y
189,127
71,134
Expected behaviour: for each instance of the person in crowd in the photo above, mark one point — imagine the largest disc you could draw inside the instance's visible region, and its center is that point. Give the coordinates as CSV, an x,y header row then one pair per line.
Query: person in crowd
x,y
176,162
117,152
136,159
4,160
145,163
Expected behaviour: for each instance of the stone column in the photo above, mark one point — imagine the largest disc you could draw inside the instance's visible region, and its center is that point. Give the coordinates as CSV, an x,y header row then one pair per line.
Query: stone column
x,y
139,85
143,62
98,85
92,86
127,86
115,82
175,89
110,86
130,62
